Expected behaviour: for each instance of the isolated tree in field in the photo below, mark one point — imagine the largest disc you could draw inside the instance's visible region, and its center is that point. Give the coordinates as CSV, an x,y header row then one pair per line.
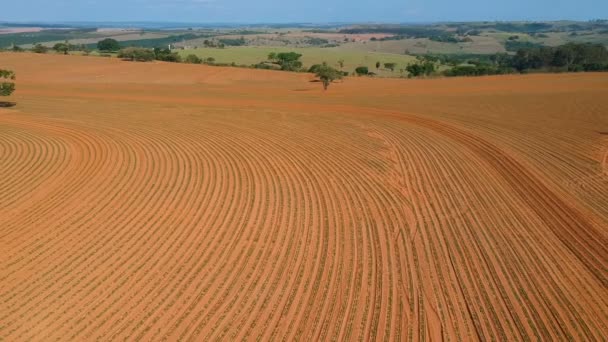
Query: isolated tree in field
x,y
362,70
390,66
377,65
327,74
341,63
108,44
62,48
6,86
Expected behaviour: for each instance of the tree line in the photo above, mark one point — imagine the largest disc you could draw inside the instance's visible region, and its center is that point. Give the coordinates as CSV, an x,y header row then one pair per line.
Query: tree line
x,y
571,57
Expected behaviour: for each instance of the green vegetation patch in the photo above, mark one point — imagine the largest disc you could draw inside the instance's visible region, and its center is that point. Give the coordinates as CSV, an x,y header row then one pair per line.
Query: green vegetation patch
x,y
350,59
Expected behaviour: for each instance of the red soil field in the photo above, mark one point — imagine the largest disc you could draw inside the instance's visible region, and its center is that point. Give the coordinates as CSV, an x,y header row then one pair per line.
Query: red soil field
x,y
183,202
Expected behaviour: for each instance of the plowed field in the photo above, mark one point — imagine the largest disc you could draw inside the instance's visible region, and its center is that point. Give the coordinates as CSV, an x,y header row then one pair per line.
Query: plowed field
x,y
162,201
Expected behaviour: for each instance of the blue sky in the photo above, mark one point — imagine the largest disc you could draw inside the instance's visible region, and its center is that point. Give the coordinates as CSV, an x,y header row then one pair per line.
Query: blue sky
x,y
317,11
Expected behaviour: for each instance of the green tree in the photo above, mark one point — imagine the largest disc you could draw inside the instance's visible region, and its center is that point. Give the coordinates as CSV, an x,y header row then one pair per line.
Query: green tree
x,y
108,45
137,54
166,55
362,70
39,48
341,63
314,68
327,74
288,61
390,66
377,65
6,87
62,48
422,68
193,59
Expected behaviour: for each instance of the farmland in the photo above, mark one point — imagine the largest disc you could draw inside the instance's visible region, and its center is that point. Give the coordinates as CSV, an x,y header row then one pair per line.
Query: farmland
x,y
310,56
149,201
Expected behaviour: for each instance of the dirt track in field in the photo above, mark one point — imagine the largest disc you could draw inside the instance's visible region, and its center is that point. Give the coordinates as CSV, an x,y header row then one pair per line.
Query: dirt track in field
x,y
160,201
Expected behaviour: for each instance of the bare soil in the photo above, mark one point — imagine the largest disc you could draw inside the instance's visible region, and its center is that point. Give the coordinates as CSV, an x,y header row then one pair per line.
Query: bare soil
x,y
149,201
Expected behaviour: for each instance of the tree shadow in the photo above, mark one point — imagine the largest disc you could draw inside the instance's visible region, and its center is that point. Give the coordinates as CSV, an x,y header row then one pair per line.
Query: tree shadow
x,y
603,133
4,104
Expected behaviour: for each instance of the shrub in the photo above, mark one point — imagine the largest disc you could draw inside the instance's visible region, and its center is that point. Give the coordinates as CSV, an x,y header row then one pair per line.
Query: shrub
x,y
390,66
595,67
137,54
166,55
444,39
421,68
476,70
6,88
39,48
233,42
314,68
62,48
193,59
108,44
263,66
362,70
514,45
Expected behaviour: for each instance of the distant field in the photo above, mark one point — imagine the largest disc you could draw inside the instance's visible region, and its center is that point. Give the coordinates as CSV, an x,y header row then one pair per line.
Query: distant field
x,y
352,58
14,30
480,45
440,38
51,37
550,38
294,38
121,37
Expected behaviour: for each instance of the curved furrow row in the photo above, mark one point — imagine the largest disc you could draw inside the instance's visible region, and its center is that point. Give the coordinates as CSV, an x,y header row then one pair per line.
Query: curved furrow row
x,y
152,259
105,315
174,261
27,166
554,211
158,245
543,145
270,215
35,160
73,178
37,243
283,256
84,262
465,191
